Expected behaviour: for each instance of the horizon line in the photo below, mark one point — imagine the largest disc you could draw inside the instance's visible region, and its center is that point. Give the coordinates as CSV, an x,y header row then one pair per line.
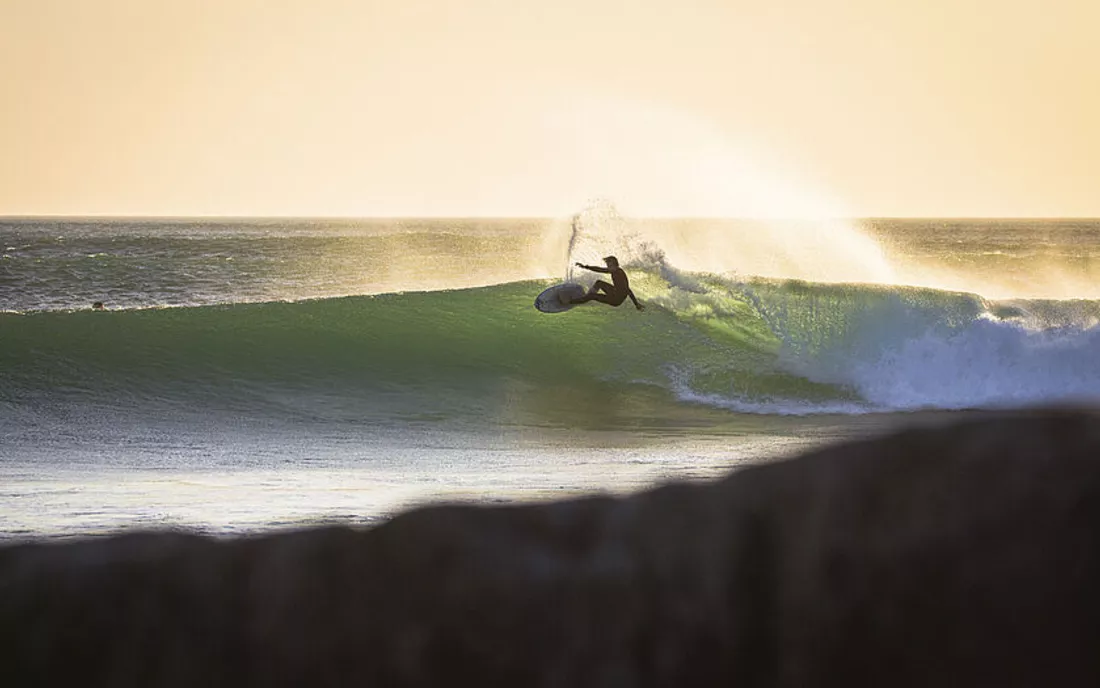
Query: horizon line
x,y
755,218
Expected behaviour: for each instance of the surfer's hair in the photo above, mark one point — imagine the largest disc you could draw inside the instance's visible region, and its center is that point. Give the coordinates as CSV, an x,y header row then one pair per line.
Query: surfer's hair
x,y
611,259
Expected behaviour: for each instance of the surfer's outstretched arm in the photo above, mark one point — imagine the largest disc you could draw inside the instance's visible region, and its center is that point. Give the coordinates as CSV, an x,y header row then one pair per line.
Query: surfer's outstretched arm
x,y
594,268
630,293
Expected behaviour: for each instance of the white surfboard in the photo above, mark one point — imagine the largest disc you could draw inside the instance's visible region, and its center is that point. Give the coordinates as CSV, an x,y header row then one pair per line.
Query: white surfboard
x,y
556,298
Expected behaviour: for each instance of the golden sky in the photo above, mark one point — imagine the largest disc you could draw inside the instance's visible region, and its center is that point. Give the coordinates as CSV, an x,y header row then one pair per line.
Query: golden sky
x,y
525,107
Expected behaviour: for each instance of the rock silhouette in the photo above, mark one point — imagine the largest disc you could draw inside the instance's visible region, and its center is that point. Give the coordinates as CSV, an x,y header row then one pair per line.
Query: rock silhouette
x,y
966,554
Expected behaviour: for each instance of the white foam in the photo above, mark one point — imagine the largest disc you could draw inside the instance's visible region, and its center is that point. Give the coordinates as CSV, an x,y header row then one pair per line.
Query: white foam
x,y
899,349
987,363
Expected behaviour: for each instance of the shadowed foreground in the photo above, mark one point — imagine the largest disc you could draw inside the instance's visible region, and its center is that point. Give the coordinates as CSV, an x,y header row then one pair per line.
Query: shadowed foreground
x,y
963,555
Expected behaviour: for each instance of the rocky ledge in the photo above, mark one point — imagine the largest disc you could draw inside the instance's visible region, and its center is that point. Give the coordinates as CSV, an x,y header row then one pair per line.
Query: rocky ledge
x,y
966,554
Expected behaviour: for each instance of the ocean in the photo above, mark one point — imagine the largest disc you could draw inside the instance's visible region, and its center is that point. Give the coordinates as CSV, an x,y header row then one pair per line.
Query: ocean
x,y
249,374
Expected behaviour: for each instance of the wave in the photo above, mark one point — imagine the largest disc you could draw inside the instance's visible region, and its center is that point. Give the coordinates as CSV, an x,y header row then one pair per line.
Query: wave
x,y
904,348
750,346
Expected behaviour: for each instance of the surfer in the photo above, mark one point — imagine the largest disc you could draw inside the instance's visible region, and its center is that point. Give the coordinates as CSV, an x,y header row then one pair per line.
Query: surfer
x,y
612,294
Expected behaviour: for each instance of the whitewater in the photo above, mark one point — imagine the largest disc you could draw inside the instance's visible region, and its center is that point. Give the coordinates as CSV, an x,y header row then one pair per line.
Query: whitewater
x,y
251,374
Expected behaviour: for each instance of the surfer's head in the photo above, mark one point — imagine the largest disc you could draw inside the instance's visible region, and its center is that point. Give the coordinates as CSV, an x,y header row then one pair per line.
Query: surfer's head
x,y
612,261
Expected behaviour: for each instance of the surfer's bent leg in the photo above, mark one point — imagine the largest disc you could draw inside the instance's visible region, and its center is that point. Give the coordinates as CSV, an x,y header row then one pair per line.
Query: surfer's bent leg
x,y
610,295
599,286
604,293
594,293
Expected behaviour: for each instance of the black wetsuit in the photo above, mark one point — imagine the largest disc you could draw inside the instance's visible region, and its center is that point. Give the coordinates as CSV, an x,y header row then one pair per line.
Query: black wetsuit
x,y
612,294
620,287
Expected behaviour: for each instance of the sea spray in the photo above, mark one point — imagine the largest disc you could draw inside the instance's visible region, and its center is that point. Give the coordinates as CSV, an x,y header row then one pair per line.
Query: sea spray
x,y
826,250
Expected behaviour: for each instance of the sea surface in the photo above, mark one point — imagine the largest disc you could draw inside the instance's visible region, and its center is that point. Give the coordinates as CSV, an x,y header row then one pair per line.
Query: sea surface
x,y
248,374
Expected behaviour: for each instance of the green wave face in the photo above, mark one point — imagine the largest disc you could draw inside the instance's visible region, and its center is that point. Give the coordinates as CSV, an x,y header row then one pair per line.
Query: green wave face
x,y
482,352
486,353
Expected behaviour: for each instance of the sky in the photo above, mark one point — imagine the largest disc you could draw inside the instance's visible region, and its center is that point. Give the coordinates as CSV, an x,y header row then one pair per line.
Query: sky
x,y
736,108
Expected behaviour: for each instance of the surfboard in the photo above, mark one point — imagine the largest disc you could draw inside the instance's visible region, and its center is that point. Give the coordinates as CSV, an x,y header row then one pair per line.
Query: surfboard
x,y
556,298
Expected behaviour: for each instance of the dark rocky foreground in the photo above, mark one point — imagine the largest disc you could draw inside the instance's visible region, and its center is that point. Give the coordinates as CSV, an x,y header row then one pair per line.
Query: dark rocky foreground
x,y
966,555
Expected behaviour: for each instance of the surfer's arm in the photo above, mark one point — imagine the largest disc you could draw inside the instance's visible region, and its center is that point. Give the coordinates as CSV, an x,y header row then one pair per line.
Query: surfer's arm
x,y
630,293
595,268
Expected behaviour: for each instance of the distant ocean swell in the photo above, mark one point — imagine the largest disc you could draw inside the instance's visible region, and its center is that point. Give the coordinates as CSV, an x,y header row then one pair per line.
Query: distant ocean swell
x,y
750,346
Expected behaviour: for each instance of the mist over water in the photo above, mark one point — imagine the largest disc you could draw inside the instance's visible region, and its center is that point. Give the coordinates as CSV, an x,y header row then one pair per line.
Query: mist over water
x,y
816,250
1002,259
